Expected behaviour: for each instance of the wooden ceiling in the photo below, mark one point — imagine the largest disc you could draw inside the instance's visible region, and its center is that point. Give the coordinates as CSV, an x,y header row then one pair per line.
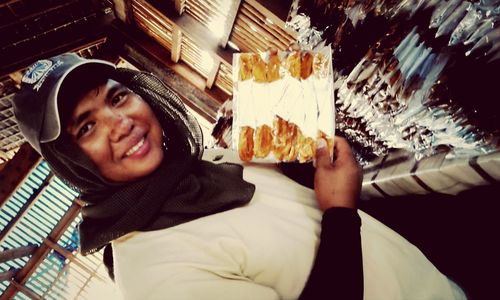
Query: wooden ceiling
x,y
204,34
31,30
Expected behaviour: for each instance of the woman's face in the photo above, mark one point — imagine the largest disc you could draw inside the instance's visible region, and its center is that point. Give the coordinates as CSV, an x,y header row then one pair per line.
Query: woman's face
x,y
118,131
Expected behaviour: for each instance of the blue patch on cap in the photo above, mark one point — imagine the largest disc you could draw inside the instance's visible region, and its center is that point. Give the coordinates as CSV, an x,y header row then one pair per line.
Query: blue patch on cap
x,y
36,71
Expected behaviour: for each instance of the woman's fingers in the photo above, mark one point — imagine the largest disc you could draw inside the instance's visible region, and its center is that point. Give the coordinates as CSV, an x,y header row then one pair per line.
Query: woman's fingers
x,y
343,150
322,158
336,184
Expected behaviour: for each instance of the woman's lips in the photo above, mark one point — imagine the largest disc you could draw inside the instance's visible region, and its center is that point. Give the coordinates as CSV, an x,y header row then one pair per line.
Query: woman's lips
x,y
139,150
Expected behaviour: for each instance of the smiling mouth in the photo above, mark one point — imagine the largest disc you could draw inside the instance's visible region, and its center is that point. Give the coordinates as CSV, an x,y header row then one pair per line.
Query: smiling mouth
x,y
135,147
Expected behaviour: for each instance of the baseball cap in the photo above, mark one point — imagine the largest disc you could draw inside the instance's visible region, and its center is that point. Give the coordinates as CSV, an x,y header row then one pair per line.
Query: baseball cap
x,y
36,106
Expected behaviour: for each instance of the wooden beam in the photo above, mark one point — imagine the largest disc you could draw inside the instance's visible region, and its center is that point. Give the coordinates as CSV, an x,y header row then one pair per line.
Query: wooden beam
x,y
191,95
12,223
148,54
32,14
52,42
251,17
175,55
17,283
7,2
16,169
17,252
279,8
213,73
71,257
200,34
26,291
61,273
270,15
229,24
3,155
9,128
7,275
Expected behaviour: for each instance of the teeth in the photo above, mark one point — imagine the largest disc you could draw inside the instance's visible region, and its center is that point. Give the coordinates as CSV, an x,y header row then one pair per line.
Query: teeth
x,y
135,148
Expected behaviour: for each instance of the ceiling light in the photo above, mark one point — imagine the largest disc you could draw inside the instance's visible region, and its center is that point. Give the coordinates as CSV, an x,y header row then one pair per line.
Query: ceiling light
x,y
233,45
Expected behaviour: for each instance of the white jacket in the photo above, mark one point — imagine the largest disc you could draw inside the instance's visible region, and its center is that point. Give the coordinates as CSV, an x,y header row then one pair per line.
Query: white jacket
x,y
265,250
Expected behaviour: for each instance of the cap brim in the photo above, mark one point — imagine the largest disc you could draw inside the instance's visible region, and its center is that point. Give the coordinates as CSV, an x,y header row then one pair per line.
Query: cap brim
x,y
51,128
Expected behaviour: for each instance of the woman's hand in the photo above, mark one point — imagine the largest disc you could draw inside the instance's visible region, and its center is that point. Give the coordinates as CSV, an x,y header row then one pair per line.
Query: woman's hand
x,y
337,183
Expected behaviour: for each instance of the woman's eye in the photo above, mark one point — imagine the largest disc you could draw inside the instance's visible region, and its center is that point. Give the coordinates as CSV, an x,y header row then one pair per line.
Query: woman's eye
x,y
118,98
85,129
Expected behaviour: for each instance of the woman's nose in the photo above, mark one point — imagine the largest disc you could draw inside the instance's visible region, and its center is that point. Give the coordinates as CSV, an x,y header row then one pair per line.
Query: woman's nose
x,y
120,126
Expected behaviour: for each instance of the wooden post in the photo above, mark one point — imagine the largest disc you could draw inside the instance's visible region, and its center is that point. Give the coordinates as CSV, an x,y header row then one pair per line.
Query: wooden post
x,y
175,55
5,231
8,275
17,283
16,169
17,252
3,156
213,73
200,34
231,17
26,291
72,258
188,84
268,13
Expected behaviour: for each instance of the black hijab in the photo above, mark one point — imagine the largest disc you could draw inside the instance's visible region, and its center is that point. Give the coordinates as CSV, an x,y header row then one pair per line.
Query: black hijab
x,y
181,189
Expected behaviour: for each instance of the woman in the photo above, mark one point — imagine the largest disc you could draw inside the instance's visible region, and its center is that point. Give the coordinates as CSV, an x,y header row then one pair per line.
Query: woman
x,y
182,227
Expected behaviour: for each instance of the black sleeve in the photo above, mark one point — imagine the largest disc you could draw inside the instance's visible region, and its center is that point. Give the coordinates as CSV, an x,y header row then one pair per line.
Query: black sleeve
x,y
337,272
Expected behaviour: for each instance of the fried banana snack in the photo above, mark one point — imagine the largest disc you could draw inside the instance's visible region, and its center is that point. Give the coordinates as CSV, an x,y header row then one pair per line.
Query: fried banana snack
x,y
259,69
280,138
273,67
245,143
280,119
293,64
307,148
294,135
320,68
286,140
306,65
245,66
263,141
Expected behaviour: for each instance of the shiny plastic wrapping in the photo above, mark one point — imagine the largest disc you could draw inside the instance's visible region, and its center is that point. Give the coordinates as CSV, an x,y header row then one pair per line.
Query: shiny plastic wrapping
x,y
283,102
415,75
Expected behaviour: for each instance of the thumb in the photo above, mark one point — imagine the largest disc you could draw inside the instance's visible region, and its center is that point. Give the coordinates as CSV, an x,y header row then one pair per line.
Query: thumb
x,y
322,154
